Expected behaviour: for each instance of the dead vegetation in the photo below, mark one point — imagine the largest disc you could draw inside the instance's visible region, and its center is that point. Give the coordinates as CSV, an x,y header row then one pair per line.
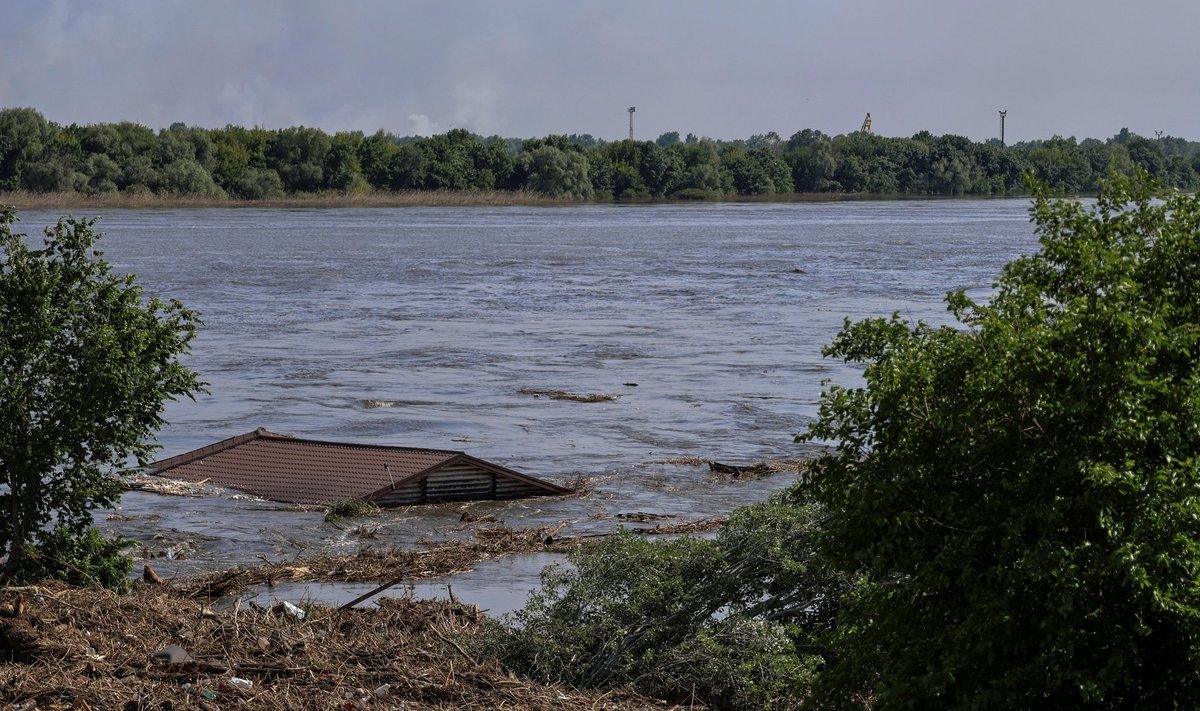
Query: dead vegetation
x,y
375,565
702,525
76,648
439,560
568,396
753,470
757,470
141,481
63,647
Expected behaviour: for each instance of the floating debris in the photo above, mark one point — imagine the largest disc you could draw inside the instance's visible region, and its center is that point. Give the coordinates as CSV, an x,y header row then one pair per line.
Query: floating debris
x,y
758,469
698,526
571,397
438,560
141,481
684,461
372,404
642,516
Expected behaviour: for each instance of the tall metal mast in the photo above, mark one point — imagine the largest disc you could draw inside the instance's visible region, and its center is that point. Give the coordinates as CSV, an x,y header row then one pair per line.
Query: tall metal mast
x,y
631,110
1003,113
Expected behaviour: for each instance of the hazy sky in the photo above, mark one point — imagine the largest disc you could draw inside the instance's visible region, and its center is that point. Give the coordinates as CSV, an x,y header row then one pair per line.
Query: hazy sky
x,y
532,67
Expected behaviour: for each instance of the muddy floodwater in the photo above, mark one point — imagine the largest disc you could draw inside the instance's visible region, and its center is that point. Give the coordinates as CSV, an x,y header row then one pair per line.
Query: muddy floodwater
x,y
422,327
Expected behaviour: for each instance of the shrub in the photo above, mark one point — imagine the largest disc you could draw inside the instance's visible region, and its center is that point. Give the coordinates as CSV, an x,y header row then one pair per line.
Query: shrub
x,y
730,622
1021,493
89,559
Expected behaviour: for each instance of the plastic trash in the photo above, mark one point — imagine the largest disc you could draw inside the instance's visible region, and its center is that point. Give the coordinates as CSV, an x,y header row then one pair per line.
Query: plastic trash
x,y
240,682
292,610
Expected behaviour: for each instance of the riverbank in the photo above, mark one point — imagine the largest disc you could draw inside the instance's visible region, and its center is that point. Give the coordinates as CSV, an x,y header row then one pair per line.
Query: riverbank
x,y
24,200
67,647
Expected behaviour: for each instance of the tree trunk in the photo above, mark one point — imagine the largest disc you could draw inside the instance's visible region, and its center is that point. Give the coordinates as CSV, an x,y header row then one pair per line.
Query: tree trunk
x,y
16,540
15,548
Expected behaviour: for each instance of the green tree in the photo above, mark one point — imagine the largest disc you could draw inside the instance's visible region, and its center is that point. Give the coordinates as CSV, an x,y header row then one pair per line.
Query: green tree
x,y
298,155
758,172
376,154
669,138
86,364
1021,493
187,177
1059,162
342,170
494,167
450,160
24,134
556,173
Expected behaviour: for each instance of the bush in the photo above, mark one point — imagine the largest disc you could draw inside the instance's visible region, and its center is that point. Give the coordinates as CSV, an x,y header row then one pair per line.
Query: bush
x,y
730,622
1021,493
89,559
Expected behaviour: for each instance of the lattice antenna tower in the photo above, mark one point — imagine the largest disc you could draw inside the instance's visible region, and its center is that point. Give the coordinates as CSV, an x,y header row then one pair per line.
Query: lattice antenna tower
x,y
1003,113
866,127
631,110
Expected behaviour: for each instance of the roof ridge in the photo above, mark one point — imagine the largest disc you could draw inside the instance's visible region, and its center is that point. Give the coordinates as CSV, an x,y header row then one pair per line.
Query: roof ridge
x,y
178,460
262,433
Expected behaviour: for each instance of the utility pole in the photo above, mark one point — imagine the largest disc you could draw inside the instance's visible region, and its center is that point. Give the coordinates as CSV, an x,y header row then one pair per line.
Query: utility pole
x,y
631,110
1003,113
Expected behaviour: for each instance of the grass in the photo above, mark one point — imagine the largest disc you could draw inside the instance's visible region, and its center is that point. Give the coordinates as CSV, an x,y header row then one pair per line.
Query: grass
x,y
349,507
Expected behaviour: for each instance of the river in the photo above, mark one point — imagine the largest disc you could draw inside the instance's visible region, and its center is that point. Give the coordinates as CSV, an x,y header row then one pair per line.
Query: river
x,y
705,321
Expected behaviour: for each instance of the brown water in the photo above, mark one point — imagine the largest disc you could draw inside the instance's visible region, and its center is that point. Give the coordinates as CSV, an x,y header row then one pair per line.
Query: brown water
x,y
716,312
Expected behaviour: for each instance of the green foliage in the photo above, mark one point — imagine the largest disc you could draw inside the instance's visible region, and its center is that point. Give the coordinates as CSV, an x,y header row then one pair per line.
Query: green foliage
x,y
556,173
86,364
86,559
298,155
731,622
255,163
1020,493
350,507
758,172
24,135
187,177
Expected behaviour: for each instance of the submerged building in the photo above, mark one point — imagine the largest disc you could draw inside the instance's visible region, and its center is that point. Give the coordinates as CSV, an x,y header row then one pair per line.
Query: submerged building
x,y
306,471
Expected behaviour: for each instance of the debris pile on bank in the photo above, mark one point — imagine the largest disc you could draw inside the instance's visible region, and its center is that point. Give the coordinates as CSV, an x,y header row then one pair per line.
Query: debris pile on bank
x,y
439,560
64,647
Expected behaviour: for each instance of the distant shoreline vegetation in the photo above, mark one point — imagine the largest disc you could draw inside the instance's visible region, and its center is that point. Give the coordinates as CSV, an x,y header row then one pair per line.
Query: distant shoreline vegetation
x,y
44,164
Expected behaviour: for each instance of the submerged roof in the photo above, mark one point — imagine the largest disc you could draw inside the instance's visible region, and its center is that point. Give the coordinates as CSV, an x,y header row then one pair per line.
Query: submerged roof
x,y
285,468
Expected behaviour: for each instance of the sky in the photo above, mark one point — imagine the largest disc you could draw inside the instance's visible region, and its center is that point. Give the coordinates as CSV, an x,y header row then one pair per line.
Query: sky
x,y
524,68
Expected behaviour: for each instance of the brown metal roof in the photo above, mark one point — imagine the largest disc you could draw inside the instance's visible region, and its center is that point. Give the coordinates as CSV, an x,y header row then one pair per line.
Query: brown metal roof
x,y
284,468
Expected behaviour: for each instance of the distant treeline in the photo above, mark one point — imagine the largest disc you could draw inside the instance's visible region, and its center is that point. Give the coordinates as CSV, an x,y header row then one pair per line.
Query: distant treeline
x,y
41,156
